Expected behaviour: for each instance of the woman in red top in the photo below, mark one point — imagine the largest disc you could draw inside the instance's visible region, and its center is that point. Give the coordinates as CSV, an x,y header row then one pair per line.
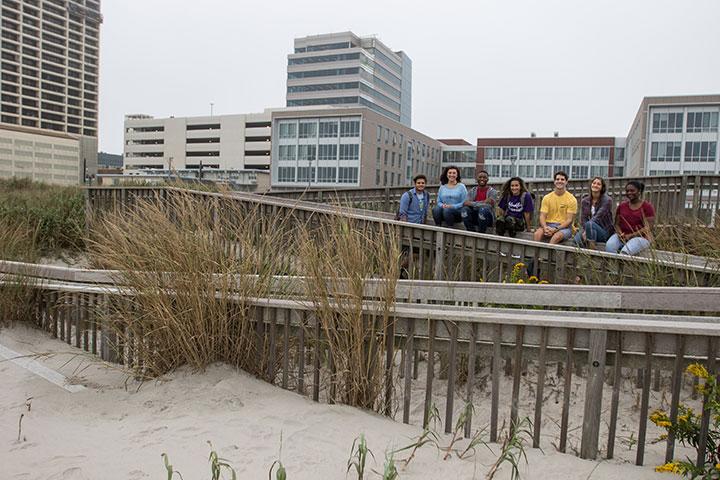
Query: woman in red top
x,y
633,222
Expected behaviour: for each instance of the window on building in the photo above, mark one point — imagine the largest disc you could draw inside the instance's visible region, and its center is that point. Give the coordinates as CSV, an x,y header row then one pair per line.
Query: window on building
x,y
327,152
618,171
306,174
348,175
579,171
581,154
349,152
508,171
379,133
392,159
599,171
288,130
544,153
328,128
377,156
561,168
562,153
700,151
350,128
377,177
286,152
386,157
526,153
306,152
327,174
619,154
385,178
665,151
286,174
600,154
493,170
543,171
308,129
526,171
667,122
702,122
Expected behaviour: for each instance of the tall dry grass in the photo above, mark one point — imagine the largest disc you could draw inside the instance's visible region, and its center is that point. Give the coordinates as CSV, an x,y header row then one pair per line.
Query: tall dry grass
x,y
192,266
338,257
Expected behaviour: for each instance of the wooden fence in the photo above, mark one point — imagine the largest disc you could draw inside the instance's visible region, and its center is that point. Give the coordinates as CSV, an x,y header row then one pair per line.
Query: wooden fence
x,y
674,197
441,253
455,342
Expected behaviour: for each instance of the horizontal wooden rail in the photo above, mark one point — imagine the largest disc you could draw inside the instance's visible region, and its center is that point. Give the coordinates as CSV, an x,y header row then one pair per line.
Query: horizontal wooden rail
x,y
674,197
447,254
593,347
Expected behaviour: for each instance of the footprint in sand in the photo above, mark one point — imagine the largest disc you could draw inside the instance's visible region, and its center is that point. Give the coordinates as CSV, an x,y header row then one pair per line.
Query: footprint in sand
x,y
137,475
74,473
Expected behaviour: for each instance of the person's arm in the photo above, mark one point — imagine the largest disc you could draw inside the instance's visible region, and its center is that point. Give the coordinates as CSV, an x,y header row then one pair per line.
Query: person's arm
x,y
583,216
618,231
441,196
469,200
404,204
649,221
541,221
462,194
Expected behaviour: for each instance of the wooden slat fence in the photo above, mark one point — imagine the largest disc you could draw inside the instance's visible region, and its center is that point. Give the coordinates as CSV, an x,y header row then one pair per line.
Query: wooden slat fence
x,y
674,197
447,254
596,349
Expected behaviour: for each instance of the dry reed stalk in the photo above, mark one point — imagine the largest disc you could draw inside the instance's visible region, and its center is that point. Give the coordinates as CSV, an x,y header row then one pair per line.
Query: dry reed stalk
x,y
338,256
192,265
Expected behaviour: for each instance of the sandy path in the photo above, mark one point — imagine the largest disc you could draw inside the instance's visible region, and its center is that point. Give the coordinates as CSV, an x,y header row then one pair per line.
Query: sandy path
x,y
110,432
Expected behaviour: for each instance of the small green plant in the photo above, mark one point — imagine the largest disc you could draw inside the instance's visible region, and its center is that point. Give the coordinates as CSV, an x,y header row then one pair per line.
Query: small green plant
x,y
459,426
280,473
358,456
475,441
171,472
428,436
513,448
686,429
389,469
217,465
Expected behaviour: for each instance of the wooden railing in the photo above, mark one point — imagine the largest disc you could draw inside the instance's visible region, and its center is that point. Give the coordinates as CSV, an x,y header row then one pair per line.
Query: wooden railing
x,y
447,254
674,197
455,343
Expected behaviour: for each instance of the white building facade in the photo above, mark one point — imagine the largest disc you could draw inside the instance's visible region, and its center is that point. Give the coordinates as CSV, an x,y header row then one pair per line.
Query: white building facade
x,y
221,142
675,135
344,69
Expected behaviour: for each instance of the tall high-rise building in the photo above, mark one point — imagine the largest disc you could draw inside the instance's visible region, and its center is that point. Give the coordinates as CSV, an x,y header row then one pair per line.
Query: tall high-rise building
x,y
344,69
49,88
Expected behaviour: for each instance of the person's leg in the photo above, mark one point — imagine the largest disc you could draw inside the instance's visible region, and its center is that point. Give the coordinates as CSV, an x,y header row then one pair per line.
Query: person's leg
x,y
578,240
635,245
452,216
501,225
437,213
614,244
469,218
595,232
557,237
485,219
539,235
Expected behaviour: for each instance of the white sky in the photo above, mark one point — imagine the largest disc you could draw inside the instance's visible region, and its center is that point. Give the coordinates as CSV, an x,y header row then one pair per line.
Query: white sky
x,y
481,68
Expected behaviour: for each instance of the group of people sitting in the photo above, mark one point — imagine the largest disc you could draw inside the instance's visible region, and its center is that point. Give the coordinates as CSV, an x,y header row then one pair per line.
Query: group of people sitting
x,y
511,211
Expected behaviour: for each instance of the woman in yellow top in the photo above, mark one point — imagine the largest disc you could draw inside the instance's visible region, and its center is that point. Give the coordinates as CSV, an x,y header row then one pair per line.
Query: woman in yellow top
x,y
557,212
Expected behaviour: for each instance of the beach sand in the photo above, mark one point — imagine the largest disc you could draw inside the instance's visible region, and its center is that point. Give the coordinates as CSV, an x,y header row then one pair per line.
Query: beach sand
x,y
116,428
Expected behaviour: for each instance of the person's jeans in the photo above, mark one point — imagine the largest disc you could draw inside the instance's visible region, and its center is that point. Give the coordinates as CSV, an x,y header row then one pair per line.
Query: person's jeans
x,y
511,225
477,219
593,233
448,215
632,247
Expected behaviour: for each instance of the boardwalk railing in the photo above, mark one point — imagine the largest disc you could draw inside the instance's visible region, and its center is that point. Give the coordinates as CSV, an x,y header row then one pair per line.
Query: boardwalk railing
x,y
674,197
440,253
460,347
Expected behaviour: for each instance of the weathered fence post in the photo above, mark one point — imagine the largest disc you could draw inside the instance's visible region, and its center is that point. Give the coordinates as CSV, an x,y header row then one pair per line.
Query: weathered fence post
x,y
593,394
439,255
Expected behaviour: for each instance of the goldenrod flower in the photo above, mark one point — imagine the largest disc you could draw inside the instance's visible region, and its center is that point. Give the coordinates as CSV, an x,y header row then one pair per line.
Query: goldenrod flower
x,y
664,423
532,279
659,416
671,467
519,265
698,370
521,280
543,282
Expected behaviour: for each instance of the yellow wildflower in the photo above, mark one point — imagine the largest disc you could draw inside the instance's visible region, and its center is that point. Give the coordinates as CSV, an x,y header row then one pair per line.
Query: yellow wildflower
x,y
671,467
717,466
532,279
521,280
659,416
663,423
519,265
698,370
543,282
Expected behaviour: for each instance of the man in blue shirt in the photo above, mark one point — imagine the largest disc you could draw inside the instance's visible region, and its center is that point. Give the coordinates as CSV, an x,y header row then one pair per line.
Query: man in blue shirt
x,y
414,202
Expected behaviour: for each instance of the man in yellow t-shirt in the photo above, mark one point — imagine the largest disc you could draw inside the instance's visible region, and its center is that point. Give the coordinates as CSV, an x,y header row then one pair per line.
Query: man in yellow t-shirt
x,y
557,211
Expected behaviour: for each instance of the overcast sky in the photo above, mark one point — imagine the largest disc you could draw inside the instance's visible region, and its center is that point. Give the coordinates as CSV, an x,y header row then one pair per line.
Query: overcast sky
x,y
480,68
